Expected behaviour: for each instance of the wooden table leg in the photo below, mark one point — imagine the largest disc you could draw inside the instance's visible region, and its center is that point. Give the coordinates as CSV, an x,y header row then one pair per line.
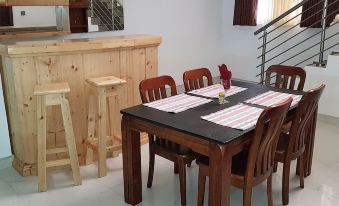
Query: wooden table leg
x,y
131,163
220,173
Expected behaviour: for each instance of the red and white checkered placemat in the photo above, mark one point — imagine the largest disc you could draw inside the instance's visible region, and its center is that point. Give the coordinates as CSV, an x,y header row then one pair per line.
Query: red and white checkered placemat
x,y
240,116
178,103
214,90
271,97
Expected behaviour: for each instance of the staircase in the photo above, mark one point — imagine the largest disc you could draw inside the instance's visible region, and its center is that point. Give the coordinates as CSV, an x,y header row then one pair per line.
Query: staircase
x,y
305,47
108,15
294,45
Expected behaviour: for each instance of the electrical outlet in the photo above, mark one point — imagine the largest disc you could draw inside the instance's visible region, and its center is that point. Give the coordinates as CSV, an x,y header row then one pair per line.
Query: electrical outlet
x,y
23,13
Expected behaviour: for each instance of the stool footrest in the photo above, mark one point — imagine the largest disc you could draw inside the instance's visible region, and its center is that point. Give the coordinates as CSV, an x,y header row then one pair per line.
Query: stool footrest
x,y
93,143
114,148
56,150
56,163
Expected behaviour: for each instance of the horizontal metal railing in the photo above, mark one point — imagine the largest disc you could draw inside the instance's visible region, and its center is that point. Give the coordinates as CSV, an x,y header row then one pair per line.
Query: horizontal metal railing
x,y
108,16
267,47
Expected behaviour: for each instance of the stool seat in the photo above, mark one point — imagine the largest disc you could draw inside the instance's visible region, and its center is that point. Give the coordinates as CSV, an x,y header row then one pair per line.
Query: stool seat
x,y
51,88
105,81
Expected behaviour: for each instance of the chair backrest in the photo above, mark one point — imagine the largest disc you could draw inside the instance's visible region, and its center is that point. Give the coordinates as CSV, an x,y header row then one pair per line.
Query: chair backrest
x,y
194,79
155,88
306,108
265,139
286,77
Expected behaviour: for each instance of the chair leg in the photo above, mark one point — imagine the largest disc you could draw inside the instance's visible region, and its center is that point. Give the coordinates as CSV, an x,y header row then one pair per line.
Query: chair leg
x,y
301,170
269,191
151,167
247,196
91,128
102,152
286,183
275,167
70,141
201,187
182,179
41,119
176,168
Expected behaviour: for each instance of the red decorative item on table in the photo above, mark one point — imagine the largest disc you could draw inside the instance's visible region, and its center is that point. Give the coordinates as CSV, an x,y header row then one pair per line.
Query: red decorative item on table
x,y
225,76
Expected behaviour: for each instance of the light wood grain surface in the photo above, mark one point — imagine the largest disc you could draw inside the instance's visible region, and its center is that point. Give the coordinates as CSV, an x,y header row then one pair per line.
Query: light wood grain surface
x,y
27,64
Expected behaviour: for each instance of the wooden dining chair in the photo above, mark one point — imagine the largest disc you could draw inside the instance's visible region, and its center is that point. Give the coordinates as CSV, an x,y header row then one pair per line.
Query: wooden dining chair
x,y
285,77
254,165
155,89
194,79
291,145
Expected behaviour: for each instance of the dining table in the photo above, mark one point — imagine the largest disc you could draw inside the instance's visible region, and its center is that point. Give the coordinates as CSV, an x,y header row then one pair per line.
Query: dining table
x,y
187,128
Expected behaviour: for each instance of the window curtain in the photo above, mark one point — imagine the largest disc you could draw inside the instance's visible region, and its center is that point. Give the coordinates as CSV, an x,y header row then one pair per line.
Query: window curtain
x,y
245,12
312,16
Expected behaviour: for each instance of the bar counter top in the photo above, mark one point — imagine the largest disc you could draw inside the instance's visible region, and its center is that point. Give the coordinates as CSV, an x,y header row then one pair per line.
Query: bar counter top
x,y
72,45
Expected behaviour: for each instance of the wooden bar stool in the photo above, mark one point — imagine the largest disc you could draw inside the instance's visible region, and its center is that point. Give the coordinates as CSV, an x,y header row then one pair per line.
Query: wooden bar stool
x,y
50,95
101,89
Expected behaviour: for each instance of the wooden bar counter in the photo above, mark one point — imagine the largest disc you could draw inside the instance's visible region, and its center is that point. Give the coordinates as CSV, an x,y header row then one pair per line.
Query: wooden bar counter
x,y
28,63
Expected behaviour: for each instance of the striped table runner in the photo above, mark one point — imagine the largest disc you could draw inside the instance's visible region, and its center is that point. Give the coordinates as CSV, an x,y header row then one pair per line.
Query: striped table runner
x,y
178,103
270,98
214,90
240,116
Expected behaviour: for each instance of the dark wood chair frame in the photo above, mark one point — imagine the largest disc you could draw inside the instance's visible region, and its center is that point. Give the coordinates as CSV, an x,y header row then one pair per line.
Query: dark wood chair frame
x,y
286,77
155,89
194,79
260,157
291,146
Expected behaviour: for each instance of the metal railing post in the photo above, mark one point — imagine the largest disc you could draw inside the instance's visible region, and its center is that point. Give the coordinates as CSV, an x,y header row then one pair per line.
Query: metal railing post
x,y
323,33
263,57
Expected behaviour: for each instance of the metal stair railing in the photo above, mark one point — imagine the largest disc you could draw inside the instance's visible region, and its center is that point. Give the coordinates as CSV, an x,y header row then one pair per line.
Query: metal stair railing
x,y
101,10
271,27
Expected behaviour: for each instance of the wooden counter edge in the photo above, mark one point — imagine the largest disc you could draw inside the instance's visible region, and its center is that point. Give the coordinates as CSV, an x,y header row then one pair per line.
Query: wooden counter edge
x,y
78,45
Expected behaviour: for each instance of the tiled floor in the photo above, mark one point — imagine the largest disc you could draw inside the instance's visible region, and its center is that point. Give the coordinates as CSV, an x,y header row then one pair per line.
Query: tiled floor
x,y
321,188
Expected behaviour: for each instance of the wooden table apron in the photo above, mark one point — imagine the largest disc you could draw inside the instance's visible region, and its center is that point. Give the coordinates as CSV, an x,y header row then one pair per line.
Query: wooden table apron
x,y
220,156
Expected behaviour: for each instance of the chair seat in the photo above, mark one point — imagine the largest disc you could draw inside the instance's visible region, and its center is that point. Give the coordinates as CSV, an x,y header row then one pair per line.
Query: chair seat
x,y
51,88
172,147
283,143
239,163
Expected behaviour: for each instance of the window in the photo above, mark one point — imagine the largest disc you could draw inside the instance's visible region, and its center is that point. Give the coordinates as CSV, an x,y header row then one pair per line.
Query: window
x,y
271,9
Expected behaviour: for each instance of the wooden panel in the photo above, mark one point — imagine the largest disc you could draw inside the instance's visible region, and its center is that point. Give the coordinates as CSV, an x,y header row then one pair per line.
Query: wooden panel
x,y
151,62
138,73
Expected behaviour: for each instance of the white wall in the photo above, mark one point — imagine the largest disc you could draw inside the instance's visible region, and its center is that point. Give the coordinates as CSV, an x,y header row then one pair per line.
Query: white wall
x,y
35,16
191,32
240,45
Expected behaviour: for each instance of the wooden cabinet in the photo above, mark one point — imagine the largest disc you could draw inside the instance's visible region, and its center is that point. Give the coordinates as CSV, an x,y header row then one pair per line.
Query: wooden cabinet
x,y
6,16
78,16
25,64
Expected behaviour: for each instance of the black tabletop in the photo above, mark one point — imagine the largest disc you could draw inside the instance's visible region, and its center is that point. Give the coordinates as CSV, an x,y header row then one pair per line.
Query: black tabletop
x,y
190,122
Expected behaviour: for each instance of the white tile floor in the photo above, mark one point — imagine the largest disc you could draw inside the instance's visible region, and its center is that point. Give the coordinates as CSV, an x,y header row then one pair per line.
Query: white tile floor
x,y
321,188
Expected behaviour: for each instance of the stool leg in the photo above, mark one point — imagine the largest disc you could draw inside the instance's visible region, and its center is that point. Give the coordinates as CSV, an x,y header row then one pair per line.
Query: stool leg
x,y
70,140
91,128
41,117
102,117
